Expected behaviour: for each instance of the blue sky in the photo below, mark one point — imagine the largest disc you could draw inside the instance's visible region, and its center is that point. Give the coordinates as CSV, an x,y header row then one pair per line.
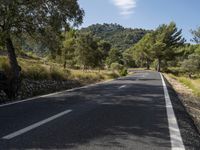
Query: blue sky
x,y
147,14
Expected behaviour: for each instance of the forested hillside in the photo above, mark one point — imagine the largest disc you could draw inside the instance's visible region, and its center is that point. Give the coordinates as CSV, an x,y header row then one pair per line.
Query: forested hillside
x,y
118,36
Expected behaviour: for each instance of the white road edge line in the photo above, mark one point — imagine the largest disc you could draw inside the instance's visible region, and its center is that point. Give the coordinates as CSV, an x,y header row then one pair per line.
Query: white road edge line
x,y
35,125
175,136
123,86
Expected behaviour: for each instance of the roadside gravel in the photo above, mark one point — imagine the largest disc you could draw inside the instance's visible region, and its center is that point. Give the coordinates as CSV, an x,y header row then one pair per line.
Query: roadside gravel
x,y
189,100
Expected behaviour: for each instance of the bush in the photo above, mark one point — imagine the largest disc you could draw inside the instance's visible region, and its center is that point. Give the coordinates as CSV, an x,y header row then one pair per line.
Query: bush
x,y
192,64
116,66
123,71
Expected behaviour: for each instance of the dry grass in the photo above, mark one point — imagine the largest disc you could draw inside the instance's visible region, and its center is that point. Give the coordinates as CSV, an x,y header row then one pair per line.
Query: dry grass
x,y
40,69
193,84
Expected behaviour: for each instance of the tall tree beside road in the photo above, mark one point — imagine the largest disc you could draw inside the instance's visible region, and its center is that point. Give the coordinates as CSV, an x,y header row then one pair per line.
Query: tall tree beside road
x,y
160,45
167,39
142,50
21,16
87,52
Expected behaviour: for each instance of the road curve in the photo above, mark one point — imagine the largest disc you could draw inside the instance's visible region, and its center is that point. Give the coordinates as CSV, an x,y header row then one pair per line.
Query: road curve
x,y
125,114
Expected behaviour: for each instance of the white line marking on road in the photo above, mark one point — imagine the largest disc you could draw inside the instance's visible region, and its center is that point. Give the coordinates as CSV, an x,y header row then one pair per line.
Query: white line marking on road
x,y
35,125
123,86
175,136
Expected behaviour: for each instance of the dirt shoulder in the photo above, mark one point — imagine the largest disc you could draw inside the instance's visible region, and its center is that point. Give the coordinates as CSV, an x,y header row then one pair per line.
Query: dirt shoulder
x,y
189,100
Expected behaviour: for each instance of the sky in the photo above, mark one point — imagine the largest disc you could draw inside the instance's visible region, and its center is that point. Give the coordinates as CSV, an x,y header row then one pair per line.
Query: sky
x,y
147,14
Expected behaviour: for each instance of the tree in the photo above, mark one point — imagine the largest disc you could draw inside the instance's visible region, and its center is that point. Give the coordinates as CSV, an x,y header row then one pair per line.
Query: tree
x,y
114,56
128,58
22,16
87,52
104,48
192,64
142,50
196,34
68,49
166,39
160,45
191,60
119,37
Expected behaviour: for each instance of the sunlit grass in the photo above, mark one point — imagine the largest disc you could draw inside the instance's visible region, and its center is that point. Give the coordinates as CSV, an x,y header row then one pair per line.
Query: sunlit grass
x,y
193,84
40,69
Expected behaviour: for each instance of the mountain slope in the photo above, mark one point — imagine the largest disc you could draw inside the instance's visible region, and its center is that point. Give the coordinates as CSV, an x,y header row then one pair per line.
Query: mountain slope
x,y
120,37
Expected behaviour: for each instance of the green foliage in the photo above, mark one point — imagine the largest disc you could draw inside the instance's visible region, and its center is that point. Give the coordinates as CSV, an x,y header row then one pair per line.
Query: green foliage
x,y
161,44
122,70
104,48
128,59
142,51
68,49
116,66
87,53
44,20
119,37
190,60
114,56
82,49
167,38
45,16
196,35
192,64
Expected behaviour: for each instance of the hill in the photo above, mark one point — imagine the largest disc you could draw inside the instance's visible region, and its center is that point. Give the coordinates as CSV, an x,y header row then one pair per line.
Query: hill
x,y
119,37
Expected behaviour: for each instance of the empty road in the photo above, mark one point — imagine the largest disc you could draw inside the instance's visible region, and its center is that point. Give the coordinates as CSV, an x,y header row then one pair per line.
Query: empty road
x,y
137,112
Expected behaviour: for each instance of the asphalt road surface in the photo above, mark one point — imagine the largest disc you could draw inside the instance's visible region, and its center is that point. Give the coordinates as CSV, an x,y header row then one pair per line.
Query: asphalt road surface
x,y
130,113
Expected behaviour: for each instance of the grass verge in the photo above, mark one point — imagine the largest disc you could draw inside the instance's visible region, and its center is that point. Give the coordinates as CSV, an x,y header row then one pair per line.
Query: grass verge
x,y
40,69
193,84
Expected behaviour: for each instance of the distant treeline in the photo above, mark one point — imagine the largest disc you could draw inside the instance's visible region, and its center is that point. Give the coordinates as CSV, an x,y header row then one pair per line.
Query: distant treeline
x,y
119,37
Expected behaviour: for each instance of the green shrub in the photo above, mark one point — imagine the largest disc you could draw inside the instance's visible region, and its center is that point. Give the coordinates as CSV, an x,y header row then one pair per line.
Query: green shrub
x,y
123,71
116,66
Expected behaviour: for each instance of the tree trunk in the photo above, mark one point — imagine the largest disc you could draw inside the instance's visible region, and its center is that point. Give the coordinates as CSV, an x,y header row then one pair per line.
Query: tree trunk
x,y
15,69
64,65
158,66
148,66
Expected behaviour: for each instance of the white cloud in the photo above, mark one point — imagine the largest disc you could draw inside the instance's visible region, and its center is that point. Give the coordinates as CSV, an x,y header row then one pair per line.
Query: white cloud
x,y
125,6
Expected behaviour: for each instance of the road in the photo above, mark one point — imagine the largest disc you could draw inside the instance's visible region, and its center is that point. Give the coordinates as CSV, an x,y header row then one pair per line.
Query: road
x,y
124,114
